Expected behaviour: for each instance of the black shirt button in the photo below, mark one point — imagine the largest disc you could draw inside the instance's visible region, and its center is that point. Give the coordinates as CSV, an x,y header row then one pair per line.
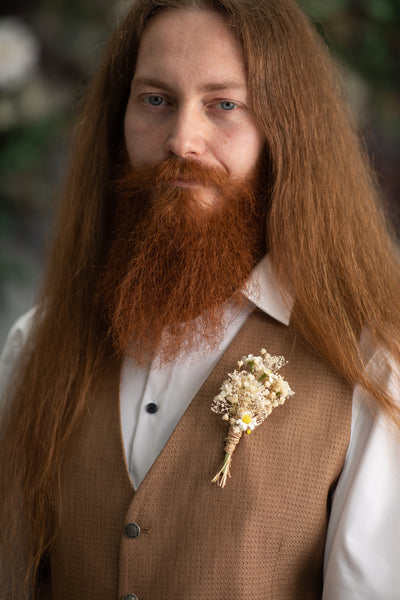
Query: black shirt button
x,y
129,597
152,408
132,531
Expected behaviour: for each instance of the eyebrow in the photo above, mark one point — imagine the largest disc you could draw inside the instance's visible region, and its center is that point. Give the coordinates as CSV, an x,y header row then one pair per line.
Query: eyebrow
x,y
208,87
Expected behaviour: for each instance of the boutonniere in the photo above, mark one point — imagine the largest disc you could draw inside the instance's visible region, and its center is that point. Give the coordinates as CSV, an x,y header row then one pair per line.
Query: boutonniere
x,y
246,399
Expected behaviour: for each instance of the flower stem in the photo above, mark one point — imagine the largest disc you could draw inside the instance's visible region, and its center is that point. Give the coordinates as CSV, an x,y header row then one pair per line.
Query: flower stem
x,y
231,440
224,472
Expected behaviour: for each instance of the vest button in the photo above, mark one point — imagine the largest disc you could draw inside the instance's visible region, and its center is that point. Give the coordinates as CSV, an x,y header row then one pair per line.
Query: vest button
x,y
152,408
132,531
129,597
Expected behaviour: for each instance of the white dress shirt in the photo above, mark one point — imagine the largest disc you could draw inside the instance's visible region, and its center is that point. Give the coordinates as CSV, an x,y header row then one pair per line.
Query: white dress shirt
x,y
362,552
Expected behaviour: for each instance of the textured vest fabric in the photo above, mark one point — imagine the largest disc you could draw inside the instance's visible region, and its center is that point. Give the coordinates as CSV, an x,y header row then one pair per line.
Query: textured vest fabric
x,y
261,537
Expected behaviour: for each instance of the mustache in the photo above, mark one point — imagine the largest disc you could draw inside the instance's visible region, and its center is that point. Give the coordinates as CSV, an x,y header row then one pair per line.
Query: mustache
x,y
163,174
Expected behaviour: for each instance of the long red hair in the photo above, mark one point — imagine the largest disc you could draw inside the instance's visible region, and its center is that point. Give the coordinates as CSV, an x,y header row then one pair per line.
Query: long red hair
x,y
325,233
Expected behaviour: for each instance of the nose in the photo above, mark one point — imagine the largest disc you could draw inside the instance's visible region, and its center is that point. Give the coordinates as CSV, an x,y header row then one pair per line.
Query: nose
x,y
186,137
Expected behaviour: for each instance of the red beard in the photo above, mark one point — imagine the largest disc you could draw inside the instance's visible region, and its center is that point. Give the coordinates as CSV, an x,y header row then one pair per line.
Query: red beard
x,y
175,261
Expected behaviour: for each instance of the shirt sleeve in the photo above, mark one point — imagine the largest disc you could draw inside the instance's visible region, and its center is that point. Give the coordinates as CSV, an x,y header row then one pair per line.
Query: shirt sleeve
x,y
13,346
362,555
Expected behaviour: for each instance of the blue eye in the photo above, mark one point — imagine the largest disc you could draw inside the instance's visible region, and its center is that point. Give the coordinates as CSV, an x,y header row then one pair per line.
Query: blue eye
x,y
154,100
227,105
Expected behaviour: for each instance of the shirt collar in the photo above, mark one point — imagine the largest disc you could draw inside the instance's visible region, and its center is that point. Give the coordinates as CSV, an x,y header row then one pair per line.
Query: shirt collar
x,y
263,291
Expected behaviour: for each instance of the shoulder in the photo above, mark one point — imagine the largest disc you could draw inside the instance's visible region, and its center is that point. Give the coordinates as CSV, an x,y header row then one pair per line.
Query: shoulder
x,y
363,546
13,346
375,439
382,368
18,333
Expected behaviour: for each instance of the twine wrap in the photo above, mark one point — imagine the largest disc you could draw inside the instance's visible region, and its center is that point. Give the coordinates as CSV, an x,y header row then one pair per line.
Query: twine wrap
x,y
232,440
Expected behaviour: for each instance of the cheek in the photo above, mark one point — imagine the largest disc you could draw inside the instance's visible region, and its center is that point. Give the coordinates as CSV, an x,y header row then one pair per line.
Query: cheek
x,y
142,140
241,151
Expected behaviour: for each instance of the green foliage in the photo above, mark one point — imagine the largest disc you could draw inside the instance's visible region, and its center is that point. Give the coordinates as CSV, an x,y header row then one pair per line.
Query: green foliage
x,y
364,34
27,144
326,9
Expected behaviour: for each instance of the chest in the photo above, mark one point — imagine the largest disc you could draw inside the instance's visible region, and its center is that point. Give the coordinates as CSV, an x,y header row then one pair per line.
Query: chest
x,y
262,536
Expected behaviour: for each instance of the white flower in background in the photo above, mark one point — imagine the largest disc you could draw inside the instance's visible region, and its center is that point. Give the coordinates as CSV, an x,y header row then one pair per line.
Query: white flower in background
x,y
19,53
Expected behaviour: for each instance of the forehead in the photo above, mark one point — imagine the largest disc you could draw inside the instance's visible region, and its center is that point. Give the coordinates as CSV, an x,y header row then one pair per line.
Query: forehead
x,y
193,45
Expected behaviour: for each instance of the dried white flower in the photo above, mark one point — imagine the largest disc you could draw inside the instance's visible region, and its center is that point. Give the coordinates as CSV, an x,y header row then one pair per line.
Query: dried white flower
x,y
246,399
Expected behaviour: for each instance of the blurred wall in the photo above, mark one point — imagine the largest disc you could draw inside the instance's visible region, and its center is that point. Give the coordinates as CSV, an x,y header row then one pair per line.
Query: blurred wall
x,y
49,48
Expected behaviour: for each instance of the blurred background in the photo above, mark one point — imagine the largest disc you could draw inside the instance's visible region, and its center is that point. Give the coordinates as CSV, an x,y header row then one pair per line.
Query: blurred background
x,y
48,50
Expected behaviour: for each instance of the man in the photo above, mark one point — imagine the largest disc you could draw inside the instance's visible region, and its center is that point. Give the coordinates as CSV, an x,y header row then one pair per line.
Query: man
x,y
217,203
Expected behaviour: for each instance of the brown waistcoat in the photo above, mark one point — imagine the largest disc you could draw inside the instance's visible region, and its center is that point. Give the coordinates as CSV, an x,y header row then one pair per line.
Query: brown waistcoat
x,y
260,538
